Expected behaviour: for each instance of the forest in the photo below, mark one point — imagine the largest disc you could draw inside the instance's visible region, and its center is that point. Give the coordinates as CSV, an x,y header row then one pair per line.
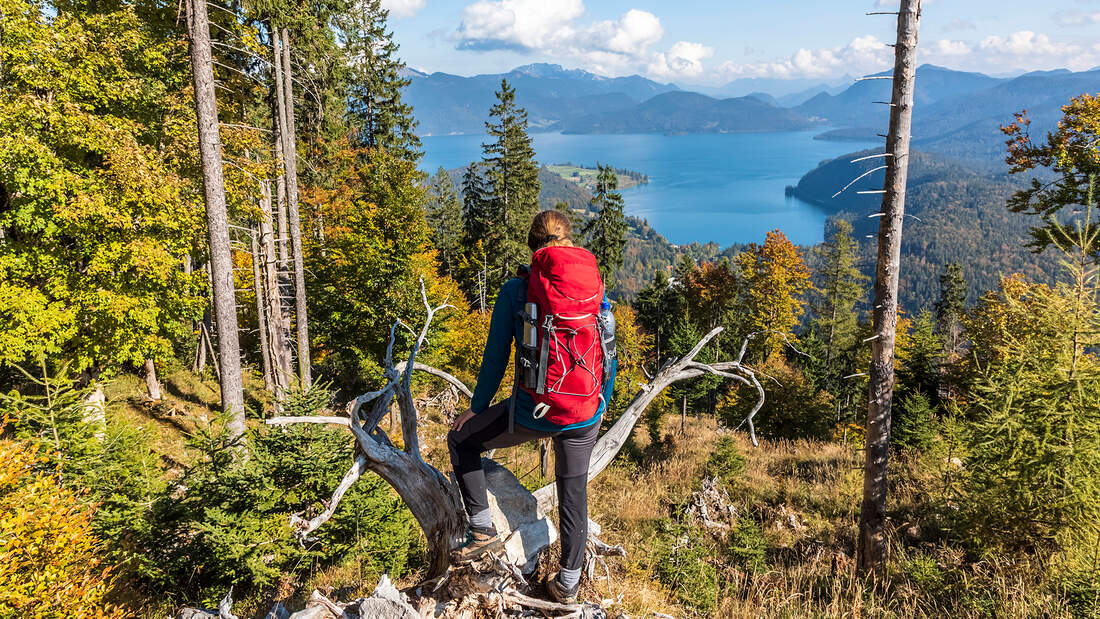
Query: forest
x,y
218,256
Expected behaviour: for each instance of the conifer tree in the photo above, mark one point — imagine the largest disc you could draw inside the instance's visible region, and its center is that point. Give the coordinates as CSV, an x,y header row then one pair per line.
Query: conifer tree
x,y
476,230
658,306
842,286
376,110
950,309
444,213
513,175
476,216
605,233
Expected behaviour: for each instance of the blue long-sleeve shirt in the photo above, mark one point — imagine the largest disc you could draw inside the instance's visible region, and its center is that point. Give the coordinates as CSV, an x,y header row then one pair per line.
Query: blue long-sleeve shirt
x,y
506,332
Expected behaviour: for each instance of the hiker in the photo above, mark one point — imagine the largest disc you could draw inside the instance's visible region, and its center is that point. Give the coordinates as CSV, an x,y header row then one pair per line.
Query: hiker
x,y
556,314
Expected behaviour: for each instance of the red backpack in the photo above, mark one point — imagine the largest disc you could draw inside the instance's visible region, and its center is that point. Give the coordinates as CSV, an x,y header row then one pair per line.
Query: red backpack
x,y
561,349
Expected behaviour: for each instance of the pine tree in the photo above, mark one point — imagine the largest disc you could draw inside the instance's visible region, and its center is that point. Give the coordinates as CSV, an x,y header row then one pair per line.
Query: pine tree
x,y
476,216
605,233
659,306
950,309
842,286
375,106
444,214
513,174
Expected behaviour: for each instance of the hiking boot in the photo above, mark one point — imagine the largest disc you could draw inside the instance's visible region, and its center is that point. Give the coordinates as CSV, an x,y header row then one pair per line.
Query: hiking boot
x,y
478,542
558,592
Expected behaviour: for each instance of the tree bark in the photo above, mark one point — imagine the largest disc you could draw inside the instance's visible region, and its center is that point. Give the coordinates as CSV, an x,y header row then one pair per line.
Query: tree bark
x,y
261,319
217,219
278,321
872,521
290,159
280,198
151,382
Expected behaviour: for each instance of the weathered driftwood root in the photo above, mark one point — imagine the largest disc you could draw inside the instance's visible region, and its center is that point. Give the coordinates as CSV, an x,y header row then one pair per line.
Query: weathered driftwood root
x,y
711,507
432,498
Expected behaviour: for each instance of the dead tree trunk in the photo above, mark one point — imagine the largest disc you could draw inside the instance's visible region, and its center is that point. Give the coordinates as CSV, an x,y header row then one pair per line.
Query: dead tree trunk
x,y
290,163
151,382
872,520
280,204
430,495
278,322
261,318
217,219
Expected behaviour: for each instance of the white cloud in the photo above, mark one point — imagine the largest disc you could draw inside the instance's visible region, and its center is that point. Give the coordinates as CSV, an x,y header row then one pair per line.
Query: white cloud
x,y
1027,50
518,24
403,8
1026,43
550,28
631,35
945,47
684,59
863,54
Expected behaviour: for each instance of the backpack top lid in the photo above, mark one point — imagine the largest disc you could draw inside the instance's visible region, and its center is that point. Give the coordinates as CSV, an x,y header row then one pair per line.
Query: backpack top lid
x,y
568,276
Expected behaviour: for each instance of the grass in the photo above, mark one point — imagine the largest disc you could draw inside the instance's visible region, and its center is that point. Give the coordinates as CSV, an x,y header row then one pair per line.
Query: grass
x,y
586,177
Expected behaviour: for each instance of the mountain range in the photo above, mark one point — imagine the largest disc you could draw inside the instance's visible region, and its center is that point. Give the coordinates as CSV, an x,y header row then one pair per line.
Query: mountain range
x,y
956,113
446,104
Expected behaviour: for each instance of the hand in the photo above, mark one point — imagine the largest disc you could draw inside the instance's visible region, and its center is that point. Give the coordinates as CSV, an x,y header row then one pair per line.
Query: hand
x,y
461,420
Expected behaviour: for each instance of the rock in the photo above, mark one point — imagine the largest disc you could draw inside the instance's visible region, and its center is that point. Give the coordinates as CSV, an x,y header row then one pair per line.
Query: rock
x,y
517,517
224,610
387,603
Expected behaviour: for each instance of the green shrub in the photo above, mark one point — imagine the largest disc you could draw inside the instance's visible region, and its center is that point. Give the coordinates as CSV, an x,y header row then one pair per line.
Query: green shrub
x,y
747,547
726,462
684,559
226,520
914,423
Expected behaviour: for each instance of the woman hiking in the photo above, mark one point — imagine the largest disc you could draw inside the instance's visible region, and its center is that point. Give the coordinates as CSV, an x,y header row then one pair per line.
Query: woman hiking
x,y
558,319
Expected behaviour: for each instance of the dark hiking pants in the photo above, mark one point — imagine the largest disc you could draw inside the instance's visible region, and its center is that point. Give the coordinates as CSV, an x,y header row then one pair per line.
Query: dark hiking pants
x,y
572,451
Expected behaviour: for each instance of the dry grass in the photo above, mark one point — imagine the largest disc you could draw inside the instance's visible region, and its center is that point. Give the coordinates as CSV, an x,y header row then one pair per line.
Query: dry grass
x,y
804,496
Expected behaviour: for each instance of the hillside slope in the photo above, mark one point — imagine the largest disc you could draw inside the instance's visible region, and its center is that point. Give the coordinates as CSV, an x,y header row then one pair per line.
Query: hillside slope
x,y
958,214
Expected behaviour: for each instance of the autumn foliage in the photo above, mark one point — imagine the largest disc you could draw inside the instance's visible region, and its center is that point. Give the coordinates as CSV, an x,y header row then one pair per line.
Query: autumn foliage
x,y
50,563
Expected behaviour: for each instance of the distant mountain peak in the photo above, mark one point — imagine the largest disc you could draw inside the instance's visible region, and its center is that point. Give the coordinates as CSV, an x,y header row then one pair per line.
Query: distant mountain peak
x,y
548,69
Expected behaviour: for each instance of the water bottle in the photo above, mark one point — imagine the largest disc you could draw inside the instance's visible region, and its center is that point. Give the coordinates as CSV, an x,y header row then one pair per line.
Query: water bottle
x,y
607,331
529,352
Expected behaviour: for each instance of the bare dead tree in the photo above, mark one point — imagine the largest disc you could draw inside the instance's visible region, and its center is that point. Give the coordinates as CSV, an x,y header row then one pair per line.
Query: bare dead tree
x,y
872,518
433,499
290,164
217,219
277,332
261,313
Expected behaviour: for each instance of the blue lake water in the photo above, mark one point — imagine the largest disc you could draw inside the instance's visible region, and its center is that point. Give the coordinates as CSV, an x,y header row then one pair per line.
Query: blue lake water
x,y
726,188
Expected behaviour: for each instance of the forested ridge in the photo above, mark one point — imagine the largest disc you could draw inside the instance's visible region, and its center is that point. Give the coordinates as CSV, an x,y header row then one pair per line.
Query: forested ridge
x,y
238,322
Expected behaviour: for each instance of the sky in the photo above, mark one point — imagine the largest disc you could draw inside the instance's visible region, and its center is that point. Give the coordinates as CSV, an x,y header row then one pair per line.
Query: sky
x,y
712,42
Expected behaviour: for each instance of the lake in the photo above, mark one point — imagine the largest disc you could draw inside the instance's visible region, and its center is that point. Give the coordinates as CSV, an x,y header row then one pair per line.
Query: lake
x,y
726,188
